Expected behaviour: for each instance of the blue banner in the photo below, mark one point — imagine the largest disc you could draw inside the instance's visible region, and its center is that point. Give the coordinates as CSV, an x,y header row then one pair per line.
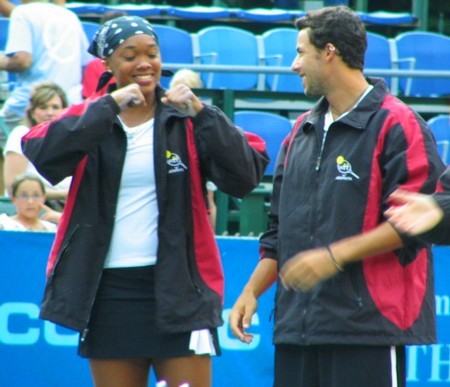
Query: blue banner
x,y
40,354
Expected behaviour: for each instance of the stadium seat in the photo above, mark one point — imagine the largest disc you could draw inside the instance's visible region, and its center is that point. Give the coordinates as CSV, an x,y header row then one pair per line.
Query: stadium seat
x,y
7,79
278,49
222,45
272,128
250,213
90,28
175,45
4,26
428,50
6,206
378,54
440,126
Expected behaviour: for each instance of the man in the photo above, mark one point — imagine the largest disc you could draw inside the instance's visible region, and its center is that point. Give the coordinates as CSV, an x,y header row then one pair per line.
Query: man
x,y
45,42
351,292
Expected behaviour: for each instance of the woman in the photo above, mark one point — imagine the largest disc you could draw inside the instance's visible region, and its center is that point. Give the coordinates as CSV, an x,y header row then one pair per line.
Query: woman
x,y
134,266
28,196
46,102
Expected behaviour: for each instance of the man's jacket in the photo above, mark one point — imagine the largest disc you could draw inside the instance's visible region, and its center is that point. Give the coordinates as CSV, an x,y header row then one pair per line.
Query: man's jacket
x,y
328,191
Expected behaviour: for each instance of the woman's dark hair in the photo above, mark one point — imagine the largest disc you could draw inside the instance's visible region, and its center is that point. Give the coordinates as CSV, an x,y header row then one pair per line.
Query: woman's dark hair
x,y
41,93
341,27
26,177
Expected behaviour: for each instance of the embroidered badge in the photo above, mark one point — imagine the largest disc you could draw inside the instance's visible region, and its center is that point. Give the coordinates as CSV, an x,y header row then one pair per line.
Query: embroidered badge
x,y
345,169
174,162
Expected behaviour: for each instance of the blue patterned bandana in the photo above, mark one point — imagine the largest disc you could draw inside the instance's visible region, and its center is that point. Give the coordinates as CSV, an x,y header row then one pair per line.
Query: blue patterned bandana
x,y
114,32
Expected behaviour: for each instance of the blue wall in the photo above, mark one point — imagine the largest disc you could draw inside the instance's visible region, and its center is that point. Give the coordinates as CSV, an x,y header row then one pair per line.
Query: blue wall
x,y
40,354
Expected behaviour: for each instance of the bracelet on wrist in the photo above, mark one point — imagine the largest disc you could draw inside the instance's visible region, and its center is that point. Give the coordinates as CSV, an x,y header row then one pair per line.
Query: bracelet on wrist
x,y
333,259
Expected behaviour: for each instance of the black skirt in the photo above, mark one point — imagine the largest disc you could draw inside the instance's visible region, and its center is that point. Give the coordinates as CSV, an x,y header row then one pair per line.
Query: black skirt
x,y
122,324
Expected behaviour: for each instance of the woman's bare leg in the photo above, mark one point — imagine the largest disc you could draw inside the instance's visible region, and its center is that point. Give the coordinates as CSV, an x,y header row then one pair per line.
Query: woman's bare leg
x,y
194,370
120,372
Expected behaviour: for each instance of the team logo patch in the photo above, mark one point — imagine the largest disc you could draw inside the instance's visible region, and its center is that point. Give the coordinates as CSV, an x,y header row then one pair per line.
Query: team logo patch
x,y
345,169
175,163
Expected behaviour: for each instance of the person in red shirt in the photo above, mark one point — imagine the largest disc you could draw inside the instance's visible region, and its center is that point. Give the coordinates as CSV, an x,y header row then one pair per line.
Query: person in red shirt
x,y
95,68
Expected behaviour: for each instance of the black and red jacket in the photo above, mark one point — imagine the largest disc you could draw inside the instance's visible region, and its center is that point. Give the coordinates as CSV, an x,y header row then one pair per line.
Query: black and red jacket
x,y
323,194
88,142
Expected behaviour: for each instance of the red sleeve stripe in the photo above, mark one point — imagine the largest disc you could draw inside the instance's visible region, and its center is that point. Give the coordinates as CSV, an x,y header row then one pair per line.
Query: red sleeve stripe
x,y
67,214
206,250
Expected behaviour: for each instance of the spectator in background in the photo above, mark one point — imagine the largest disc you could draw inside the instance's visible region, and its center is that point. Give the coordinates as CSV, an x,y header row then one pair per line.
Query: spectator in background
x,y
192,79
96,67
351,292
45,41
28,196
46,102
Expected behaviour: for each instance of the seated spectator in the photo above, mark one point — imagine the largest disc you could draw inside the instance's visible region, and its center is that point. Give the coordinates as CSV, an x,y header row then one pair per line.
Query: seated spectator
x,y
95,68
192,80
187,77
47,101
45,41
28,196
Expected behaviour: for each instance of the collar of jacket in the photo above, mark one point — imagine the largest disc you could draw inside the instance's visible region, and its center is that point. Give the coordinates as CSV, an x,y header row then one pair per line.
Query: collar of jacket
x,y
357,118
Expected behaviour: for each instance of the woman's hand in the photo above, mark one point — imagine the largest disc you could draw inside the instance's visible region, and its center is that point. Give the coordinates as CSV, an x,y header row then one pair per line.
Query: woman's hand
x,y
183,99
129,96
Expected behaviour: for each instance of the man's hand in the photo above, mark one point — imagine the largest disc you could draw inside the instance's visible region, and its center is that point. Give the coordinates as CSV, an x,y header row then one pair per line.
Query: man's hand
x,y
241,316
306,269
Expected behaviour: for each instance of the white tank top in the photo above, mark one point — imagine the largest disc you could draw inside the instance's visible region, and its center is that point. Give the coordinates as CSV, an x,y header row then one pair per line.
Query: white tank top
x,y
135,239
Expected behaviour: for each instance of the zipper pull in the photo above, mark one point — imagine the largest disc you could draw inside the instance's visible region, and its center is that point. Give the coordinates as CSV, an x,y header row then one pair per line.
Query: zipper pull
x,y
318,162
84,334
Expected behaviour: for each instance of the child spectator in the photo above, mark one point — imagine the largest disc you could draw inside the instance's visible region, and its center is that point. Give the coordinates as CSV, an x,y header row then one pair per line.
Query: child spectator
x,y
28,196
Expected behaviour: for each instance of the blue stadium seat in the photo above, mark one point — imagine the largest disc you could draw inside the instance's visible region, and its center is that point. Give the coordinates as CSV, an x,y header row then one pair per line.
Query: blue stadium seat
x,y
250,213
429,51
272,128
222,45
7,206
378,54
7,79
90,28
4,26
278,46
175,46
440,126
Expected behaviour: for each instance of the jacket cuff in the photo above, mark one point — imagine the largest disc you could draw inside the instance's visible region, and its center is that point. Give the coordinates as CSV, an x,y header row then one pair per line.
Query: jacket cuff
x,y
440,233
111,102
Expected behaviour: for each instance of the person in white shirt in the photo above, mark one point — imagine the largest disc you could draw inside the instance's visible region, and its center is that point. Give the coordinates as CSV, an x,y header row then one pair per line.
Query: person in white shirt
x,y
45,41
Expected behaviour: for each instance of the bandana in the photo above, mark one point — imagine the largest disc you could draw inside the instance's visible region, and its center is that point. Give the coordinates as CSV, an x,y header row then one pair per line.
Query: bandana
x,y
113,33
